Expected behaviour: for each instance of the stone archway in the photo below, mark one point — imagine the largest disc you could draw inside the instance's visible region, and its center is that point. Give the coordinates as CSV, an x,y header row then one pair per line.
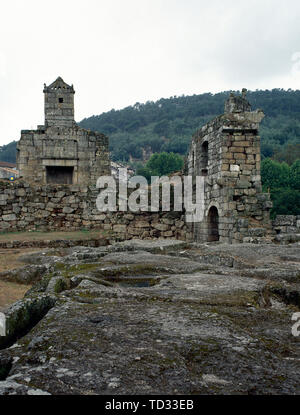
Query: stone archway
x,y
213,225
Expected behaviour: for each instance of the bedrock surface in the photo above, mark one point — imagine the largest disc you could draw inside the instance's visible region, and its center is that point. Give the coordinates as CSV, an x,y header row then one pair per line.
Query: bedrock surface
x,y
162,317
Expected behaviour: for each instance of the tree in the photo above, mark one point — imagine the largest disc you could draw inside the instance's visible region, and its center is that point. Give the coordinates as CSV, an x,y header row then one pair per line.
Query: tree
x,y
284,184
285,202
161,164
289,154
8,152
274,174
145,172
161,128
295,175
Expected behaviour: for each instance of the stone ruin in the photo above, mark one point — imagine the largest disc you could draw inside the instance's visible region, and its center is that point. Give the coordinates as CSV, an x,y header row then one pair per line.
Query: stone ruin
x,y
60,152
227,152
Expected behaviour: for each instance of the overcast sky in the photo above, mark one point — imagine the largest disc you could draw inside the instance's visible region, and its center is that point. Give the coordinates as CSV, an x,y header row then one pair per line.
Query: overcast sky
x,y
119,52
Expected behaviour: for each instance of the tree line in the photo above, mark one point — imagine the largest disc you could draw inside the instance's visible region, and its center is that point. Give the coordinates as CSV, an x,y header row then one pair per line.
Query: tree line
x,y
282,181
168,124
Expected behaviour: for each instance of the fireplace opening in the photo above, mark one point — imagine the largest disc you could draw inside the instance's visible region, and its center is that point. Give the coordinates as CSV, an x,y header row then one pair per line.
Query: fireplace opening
x,y
59,174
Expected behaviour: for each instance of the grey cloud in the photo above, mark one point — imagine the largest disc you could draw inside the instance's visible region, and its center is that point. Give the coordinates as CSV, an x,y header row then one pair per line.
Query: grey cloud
x,y
117,53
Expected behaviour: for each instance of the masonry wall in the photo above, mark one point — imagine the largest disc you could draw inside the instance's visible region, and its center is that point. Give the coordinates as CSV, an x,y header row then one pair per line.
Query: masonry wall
x,y
287,228
227,152
60,151
68,208
85,151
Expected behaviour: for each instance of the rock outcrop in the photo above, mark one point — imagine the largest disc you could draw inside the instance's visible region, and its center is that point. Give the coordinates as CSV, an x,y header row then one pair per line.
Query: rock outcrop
x,y
143,317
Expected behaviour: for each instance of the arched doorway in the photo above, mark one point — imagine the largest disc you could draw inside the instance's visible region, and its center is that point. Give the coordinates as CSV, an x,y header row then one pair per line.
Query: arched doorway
x,y
213,224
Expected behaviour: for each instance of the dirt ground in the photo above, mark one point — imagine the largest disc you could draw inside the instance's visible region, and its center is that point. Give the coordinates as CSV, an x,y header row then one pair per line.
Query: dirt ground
x,y
11,292
9,258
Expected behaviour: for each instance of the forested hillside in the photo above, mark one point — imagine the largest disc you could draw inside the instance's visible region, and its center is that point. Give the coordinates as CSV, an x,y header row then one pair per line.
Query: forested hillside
x,y
168,124
8,152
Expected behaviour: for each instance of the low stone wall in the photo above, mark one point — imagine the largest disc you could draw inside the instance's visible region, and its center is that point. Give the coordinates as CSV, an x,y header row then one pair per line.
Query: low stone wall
x,y
286,224
56,243
287,228
69,208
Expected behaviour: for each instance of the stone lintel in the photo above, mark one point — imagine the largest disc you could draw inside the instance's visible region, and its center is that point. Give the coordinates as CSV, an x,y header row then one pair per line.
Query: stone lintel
x,y
59,162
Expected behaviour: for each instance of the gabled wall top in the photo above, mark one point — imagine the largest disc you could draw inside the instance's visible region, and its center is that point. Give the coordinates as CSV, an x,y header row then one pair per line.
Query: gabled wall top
x,y
59,85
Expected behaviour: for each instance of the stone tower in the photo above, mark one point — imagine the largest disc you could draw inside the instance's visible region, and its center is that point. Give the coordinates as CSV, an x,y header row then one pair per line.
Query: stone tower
x,y
227,152
59,104
60,152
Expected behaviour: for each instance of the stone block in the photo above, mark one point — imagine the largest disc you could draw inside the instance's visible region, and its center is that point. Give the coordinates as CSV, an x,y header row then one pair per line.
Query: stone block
x,y
243,184
168,234
160,226
100,217
142,224
284,220
257,232
235,149
134,231
167,221
120,228
68,210
107,226
8,218
20,192
129,216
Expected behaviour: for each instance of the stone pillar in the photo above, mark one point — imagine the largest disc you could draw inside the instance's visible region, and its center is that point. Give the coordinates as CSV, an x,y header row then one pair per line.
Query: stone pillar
x,y
232,196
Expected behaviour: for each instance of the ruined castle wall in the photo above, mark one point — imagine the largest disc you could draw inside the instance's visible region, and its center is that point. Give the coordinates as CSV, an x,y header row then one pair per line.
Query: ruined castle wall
x,y
287,228
68,208
60,151
227,152
85,152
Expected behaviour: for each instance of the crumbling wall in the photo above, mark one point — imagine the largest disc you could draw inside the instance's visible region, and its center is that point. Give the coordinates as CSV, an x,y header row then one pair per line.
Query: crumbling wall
x,y
227,152
72,154
287,228
68,208
85,151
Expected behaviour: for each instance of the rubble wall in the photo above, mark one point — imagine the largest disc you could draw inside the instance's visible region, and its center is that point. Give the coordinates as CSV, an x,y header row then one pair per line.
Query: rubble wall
x,y
287,228
68,208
